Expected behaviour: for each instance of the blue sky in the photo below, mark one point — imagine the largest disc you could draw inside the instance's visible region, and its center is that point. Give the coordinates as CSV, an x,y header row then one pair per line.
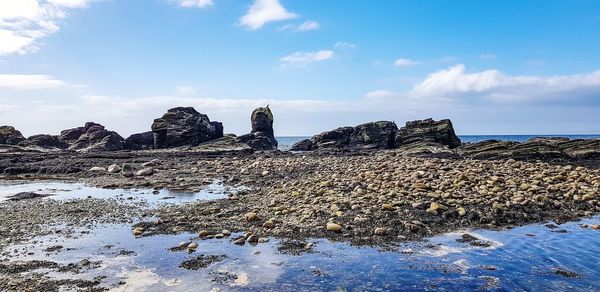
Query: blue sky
x,y
493,67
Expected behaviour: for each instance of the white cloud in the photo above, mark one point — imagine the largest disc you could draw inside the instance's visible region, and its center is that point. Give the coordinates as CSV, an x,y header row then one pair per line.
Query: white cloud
x,y
193,3
303,58
263,12
343,45
24,22
379,94
29,82
405,62
496,86
309,25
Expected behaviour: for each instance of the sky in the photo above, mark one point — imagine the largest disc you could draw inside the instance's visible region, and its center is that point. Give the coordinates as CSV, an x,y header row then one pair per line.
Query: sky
x,y
492,67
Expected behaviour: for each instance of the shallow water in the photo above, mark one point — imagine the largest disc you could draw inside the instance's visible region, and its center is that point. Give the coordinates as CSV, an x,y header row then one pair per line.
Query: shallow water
x,y
66,191
528,258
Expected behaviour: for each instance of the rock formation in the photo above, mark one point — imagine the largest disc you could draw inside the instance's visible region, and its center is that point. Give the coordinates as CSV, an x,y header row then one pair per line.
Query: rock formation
x,y
385,135
141,141
11,136
184,126
535,148
440,132
262,136
45,141
91,138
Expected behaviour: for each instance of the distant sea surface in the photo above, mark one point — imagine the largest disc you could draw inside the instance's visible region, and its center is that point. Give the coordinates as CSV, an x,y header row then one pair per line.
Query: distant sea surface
x,y
286,143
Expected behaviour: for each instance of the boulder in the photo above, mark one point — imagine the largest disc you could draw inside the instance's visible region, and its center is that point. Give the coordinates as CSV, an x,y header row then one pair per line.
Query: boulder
x,y
303,145
10,136
428,130
374,135
44,141
262,136
91,138
184,126
140,141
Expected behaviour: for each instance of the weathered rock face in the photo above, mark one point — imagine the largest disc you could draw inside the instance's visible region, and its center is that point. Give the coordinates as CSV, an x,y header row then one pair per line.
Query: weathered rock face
x,y
91,138
141,141
11,136
536,148
184,126
303,145
44,141
262,136
428,130
375,135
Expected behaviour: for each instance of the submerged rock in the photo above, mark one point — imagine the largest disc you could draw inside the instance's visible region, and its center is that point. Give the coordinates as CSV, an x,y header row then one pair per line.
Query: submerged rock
x,y
9,135
262,136
184,126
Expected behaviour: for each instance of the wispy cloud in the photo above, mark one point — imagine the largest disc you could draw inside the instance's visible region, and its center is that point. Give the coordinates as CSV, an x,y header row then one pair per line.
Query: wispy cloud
x,y
24,22
344,45
29,82
263,12
299,59
401,62
193,3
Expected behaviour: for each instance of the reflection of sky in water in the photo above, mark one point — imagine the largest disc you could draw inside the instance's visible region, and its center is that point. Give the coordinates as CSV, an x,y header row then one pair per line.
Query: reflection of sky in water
x,y
523,258
65,191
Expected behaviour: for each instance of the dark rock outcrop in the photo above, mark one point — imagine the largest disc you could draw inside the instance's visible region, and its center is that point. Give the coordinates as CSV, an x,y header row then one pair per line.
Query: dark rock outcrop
x,y
140,141
375,135
385,135
302,145
44,141
535,148
441,132
184,126
262,136
91,138
10,136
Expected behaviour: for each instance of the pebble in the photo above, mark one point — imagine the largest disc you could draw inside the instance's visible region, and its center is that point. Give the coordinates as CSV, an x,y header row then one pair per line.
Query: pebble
x,y
203,233
114,168
240,241
251,216
380,231
334,227
145,172
138,231
192,246
98,169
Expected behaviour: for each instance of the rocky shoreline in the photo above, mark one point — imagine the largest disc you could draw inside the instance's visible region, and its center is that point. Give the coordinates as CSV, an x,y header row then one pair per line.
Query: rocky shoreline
x,y
374,184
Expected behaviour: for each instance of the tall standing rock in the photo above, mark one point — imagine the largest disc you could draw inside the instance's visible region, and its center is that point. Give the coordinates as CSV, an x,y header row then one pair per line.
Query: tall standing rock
x,y
262,136
11,136
184,126
428,130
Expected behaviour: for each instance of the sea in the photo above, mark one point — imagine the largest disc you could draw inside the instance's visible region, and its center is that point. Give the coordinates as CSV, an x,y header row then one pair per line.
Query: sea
x,y
286,142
